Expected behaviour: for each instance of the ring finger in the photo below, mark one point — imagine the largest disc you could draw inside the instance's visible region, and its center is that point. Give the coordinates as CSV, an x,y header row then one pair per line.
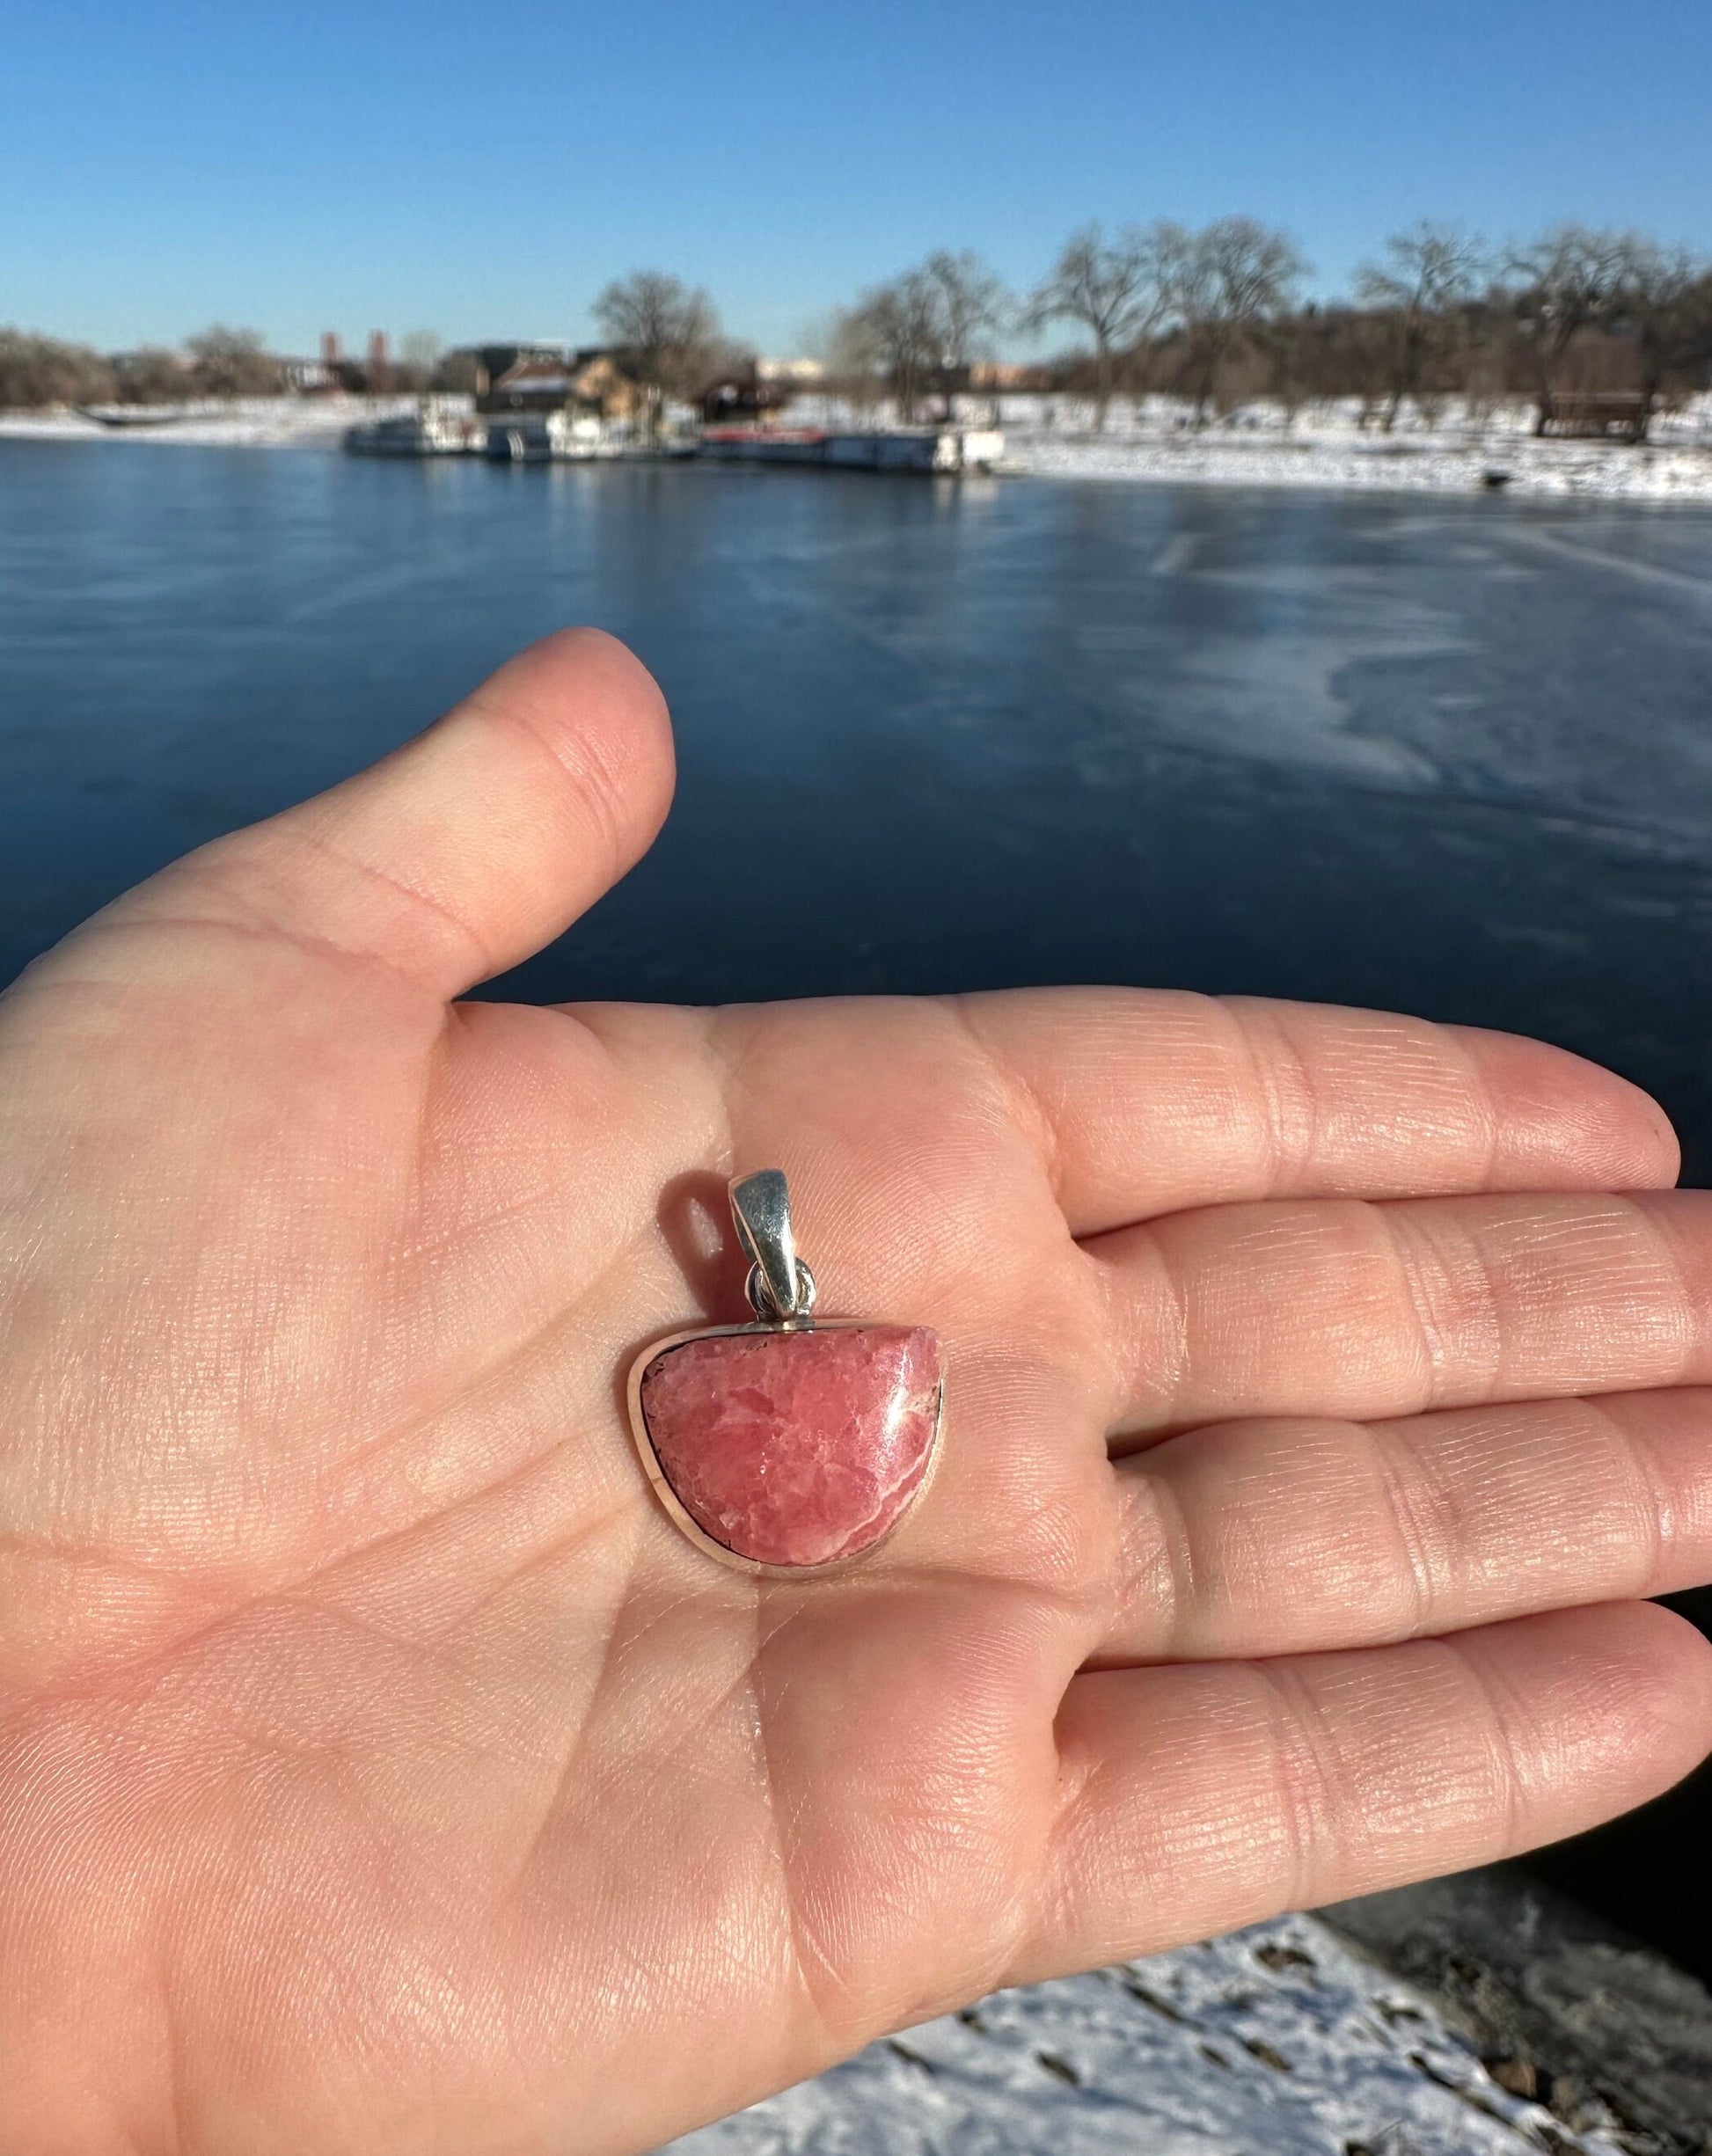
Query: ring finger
x,y
1272,1538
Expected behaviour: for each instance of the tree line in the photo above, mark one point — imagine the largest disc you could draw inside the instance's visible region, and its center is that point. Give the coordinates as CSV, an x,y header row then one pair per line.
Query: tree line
x,y
38,371
1211,314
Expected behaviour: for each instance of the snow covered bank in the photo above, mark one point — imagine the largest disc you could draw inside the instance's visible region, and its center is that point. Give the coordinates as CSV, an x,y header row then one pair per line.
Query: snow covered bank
x,y
1149,439
1279,2039
1326,446
258,422
1610,471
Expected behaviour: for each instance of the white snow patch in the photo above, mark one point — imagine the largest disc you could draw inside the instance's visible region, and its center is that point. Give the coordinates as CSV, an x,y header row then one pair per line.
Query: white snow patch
x,y
255,422
1324,445
1280,2038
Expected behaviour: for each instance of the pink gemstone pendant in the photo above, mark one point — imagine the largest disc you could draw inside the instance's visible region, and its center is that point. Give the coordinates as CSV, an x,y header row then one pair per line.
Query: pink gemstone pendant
x,y
786,1446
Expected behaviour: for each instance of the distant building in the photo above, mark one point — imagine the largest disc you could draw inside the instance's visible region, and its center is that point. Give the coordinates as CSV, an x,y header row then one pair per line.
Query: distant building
x,y
544,377
379,368
799,373
734,399
757,390
1593,415
332,372
987,376
599,385
310,378
492,365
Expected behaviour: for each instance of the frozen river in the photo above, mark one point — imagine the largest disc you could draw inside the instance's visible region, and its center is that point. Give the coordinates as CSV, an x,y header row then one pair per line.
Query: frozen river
x,y
1452,755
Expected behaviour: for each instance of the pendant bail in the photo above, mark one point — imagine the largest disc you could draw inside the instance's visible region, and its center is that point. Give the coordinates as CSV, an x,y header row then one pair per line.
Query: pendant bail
x,y
781,1289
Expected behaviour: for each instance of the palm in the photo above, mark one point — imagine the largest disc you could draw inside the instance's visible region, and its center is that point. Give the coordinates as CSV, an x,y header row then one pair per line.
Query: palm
x,y
419,1787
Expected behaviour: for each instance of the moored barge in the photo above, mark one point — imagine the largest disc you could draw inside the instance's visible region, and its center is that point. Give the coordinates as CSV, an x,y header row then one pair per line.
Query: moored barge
x,y
927,450
430,431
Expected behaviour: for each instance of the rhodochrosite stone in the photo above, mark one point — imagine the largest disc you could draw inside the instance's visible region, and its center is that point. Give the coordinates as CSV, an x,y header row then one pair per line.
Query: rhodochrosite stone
x,y
795,1447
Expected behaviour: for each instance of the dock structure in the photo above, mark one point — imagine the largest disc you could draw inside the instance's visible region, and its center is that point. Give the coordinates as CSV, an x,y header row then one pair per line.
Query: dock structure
x,y
924,449
547,438
560,436
431,430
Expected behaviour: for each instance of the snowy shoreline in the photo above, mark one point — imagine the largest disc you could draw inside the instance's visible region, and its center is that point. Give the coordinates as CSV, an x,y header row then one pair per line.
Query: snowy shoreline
x,y
1325,447
1606,471
1150,440
258,422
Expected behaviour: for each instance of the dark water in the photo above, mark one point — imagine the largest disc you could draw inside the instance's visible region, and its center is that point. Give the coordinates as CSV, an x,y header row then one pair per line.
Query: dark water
x,y
1452,756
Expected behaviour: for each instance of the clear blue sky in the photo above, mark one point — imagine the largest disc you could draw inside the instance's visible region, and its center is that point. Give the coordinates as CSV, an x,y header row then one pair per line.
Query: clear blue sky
x,y
480,170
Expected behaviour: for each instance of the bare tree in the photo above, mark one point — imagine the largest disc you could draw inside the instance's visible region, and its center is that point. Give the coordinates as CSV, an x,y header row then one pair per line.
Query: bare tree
x,y
1428,273
667,334
150,375
421,349
417,366
1368,365
852,357
36,371
459,373
1224,285
1118,290
1663,307
923,331
1573,279
232,363
972,307
895,331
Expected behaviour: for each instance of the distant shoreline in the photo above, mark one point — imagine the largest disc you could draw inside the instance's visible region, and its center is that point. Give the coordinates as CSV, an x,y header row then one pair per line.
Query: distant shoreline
x,y
1321,447
1597,470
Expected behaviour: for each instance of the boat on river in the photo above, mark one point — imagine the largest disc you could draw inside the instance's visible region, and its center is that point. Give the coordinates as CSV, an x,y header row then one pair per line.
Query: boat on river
x,y
928,450
429,431
550,438
120,418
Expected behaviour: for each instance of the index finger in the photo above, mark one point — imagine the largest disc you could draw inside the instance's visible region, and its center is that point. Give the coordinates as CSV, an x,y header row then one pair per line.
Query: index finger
x,y
1147,1102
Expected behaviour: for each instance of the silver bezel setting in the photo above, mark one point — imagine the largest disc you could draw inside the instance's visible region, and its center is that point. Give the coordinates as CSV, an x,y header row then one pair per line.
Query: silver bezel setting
x,y
691,1529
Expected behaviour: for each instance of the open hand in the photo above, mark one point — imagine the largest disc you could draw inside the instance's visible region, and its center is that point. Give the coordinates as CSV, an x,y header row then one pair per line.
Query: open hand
x,y
381,1773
